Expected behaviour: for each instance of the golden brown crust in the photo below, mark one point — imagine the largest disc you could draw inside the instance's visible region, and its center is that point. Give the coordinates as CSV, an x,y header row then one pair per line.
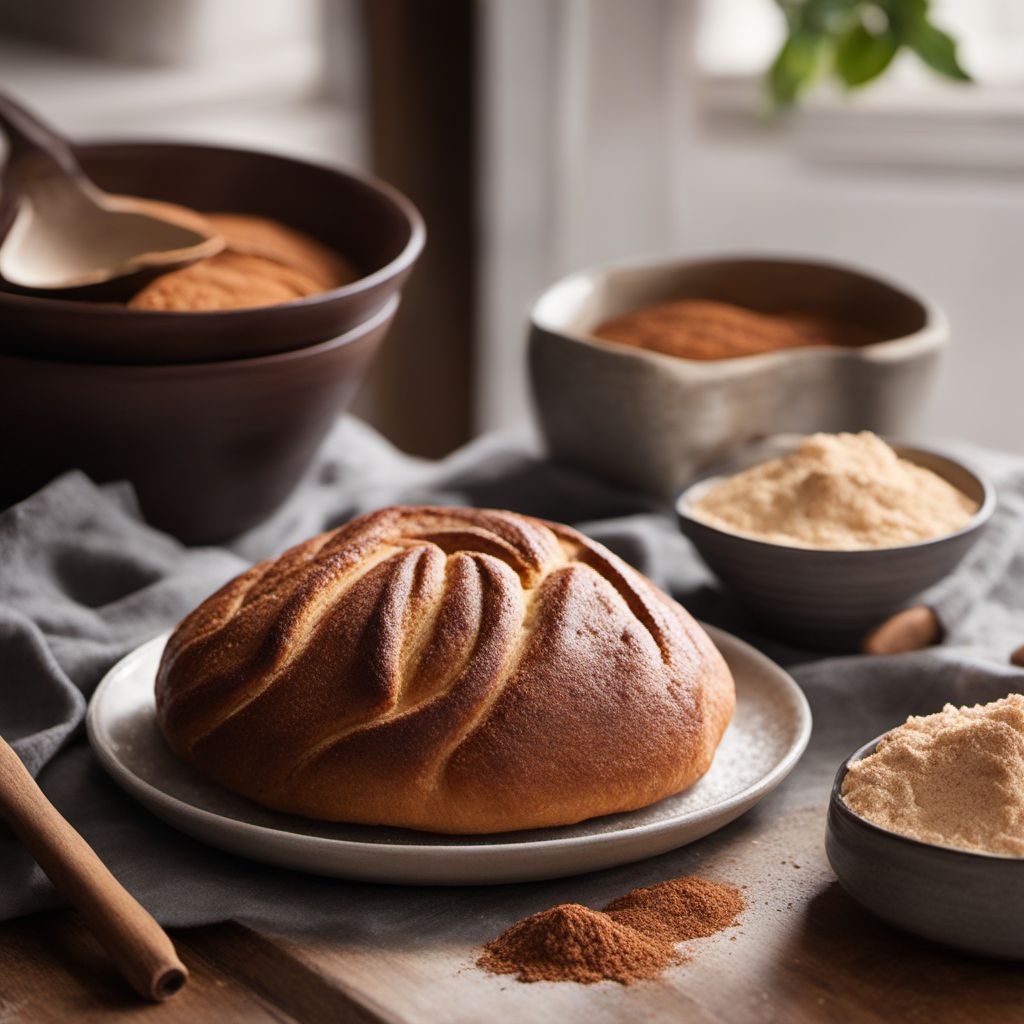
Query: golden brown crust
x,y
261,236
229,280
264,263
446,669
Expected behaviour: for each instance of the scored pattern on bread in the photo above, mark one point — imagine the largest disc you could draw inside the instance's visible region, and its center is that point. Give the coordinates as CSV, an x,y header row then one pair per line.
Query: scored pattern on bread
x,y
455,670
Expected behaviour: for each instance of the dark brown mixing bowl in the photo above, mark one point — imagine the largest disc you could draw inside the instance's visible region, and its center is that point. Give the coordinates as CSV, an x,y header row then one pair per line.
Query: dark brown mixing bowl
x,y
365,220
211,448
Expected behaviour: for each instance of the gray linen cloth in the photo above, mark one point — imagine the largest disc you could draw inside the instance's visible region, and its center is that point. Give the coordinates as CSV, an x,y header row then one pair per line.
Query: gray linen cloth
x,y
83,580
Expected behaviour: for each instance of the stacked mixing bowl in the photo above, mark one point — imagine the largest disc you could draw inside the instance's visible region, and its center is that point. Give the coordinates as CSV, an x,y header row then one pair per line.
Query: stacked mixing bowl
x,y
212,416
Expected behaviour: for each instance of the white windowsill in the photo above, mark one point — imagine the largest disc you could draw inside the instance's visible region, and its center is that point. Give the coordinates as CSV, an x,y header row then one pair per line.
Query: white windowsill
x,y
971,127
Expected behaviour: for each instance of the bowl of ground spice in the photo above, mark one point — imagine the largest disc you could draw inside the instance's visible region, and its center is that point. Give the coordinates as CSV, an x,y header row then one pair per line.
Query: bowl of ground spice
x,y
643,373
825,536
926,827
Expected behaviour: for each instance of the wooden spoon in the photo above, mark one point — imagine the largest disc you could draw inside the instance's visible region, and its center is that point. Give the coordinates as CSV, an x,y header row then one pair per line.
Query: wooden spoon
x,y
136,943
65,233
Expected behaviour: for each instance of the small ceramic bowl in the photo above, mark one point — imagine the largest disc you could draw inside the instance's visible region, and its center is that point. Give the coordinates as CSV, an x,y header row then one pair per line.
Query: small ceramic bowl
x,y
973,901
650,421
211,448
365,220
830,599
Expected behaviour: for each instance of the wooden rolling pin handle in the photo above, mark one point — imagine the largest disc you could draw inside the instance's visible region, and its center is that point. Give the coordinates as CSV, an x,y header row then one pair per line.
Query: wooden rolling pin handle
x,y
136,943
912,629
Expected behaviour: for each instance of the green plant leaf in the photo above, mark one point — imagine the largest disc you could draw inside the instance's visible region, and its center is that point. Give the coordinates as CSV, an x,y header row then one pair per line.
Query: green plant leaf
x,y
795,66
862,56
792,11
904,17
854,40
938,50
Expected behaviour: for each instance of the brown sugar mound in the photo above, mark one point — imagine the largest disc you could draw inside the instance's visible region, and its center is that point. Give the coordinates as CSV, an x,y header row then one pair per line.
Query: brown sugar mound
x,y
633,940
703,329
841,492
260,236
228,280
573,943
955,778
679,909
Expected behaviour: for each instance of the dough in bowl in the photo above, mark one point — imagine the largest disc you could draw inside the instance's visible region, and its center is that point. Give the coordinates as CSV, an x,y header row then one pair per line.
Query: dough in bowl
x,y
445,669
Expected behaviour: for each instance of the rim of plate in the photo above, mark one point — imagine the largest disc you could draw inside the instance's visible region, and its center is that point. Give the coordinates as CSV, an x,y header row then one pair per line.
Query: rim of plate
x,y
122,773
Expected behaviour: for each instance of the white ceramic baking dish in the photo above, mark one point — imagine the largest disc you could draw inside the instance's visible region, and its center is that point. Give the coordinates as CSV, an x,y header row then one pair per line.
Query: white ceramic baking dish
x,y
650,422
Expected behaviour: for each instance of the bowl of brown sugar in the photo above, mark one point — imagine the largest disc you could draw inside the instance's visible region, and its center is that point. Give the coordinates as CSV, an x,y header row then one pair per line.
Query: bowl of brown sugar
x,y
823,537
645,372
926,827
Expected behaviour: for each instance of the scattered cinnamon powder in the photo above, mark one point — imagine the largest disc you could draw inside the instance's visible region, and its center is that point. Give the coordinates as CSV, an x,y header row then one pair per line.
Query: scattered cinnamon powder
x,y
705,329
634,939
955,778
845,492
680,909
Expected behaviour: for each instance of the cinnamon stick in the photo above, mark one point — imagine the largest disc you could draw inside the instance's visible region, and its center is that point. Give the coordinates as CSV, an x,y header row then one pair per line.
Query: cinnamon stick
x,y
138,946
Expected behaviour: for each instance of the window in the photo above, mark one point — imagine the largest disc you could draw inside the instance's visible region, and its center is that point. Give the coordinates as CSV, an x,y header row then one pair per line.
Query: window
x,y
737,39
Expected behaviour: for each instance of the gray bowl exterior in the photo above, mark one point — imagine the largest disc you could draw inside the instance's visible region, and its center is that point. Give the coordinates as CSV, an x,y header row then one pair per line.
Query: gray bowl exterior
x,y
650,422
830,599
823,598
972,901
210,448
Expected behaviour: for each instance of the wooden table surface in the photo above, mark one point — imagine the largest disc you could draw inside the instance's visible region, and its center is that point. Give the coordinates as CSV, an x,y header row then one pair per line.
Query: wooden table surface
x,y
803,952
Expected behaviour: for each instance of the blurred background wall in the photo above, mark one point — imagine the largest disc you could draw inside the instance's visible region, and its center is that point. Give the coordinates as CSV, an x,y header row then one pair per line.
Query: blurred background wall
x,y
543,135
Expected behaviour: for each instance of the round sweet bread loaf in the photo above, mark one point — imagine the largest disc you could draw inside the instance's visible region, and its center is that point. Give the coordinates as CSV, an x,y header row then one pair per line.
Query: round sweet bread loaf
x,y
447,669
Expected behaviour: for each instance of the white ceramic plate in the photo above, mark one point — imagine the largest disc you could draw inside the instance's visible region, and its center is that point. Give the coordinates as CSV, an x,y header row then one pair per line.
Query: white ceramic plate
x,y
762,744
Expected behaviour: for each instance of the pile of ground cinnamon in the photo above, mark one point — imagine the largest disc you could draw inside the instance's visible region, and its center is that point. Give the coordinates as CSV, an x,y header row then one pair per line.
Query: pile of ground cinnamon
x,y
633,939
955,778
571,942
844,492
705,329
